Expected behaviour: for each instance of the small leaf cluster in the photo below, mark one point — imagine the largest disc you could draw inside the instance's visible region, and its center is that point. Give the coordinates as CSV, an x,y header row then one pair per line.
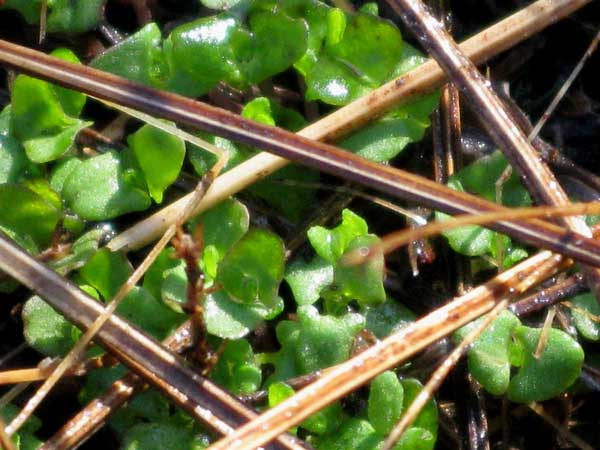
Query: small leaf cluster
x,y
72,16
506,359
332,429
480,178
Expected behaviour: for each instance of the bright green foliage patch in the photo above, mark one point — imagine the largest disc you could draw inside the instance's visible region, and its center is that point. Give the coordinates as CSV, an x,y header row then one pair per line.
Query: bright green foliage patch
x,y
63,15
106,272
587,309
114,195
385,402
44,117
328,276
252,270
506,343
308,279
480,178
29,215
255,47
160,156
490,355
313,342
362,282
388,399
331,244
237,369
562,357
46,330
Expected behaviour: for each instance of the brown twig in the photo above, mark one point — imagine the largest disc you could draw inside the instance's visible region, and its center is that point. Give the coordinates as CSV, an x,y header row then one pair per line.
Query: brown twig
x,y
396,182
198,396
562,429
97,411
536,176
345,377
438,377
569,287
318,155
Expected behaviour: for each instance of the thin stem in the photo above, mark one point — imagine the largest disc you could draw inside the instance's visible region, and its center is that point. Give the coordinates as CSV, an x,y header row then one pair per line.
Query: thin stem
x,y
565,87
400,238
5,441
562,429
567,288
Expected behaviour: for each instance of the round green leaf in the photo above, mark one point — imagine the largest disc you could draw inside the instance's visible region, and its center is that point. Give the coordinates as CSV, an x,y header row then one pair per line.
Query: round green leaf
x,y
161,436
385,402
553,372
27,213
281,38
13,160
73,17
331,244
200,54
324,340
224,225
362,282
106,271
137,58
490,355
307,279
388,318
236,369
354,434
361,47
46,330
97,189
145,311
253,268
229,319
160,156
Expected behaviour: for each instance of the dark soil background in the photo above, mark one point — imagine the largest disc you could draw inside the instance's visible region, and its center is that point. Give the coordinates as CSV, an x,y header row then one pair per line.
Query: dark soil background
x,y
534,71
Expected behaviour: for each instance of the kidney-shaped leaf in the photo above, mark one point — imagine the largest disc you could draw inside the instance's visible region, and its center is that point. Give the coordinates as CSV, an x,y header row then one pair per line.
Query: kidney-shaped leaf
x,y
160,156
558,366
253,268
489,356
97,189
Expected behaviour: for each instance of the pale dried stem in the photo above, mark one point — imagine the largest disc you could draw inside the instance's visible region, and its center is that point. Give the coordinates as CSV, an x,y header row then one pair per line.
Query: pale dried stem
x,y
75,353
5,441
166,127
495,117
565,87
23,375
397,239
12,394
438,376
422,79
392,351
545,333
